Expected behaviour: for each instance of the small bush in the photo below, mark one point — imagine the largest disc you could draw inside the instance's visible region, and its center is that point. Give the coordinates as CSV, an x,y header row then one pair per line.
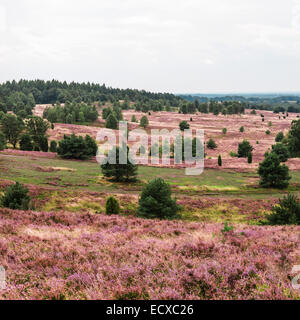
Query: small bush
x,y
156,201
268,132
112,206
16,197
279,137
286,212
242,129
184,125
224,130
211,144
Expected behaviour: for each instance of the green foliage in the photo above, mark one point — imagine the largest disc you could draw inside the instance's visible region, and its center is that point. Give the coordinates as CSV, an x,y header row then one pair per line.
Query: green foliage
x,y
2,141
282,151
286,212
16,197
37,128
227,228
211,144
112,206
73,147
53,146
91,146
220,161
26,142
242,129
111,122
144,122
253,112
244,149
184,125
133,119
272,173
270,124
268,132
224,130
233,154
117,171
294,139
71,113
279,137
250,157
156,202
12,128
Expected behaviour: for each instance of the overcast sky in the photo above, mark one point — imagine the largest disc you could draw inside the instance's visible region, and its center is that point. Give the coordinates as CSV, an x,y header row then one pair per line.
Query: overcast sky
x,y
158,45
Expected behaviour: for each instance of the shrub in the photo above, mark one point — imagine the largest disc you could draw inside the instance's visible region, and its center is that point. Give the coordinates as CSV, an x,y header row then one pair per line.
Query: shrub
x,y
53,146
119,172
144,122
272,174
270,124
133,119
91,146
156,202
286,212
224,130
268,132
73,147
233,154
250,157
242,129
112,206
220,161
263,119
282,151
211,144
244,149
26,142
294,139
184,125
279,137
16,197
253,111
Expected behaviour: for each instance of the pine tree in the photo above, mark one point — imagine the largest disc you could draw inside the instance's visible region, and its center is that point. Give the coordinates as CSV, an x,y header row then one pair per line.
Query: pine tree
x,y
144,122
111,122
220,161
250,157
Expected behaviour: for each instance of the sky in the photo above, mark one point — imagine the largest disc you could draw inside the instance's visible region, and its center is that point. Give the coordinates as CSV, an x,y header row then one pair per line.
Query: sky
x,y
188,46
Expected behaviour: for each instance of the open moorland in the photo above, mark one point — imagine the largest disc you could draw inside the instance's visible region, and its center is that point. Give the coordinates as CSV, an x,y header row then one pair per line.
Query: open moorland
x,y
67,248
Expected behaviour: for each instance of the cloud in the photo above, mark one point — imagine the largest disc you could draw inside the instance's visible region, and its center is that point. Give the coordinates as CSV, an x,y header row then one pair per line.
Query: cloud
x,y
159,45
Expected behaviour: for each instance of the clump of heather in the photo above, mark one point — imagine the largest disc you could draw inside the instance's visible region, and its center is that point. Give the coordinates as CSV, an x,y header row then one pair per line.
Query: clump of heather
x,y
65,255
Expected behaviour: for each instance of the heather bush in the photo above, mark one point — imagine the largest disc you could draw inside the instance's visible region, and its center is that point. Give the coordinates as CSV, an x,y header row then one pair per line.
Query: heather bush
x,y
286,212
156,201
112,206
16,197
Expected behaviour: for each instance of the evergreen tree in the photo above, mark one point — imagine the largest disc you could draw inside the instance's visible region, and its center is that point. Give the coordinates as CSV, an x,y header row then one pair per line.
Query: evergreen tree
x,y
211,144
156,201
294,139
282,151
250,157
279,137
112,206
244,149
116,171
144,122
272,173
16,197
184,125
220,161
53,146
111,122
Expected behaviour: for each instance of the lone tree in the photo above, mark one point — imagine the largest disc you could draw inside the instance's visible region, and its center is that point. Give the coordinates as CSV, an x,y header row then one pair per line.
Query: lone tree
x,y
294,139
184,125
272,173
111,122
37,128
112,206
220,161
244,149
12,128
250,157
16,197
156,202
117,171
144,122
